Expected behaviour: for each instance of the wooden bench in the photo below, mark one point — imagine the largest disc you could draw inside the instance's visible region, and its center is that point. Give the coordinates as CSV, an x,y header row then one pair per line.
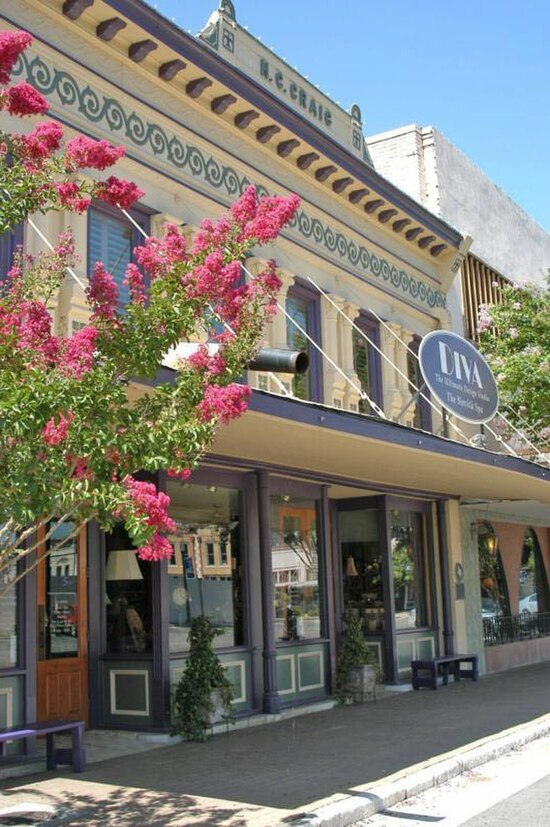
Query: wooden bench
x,y
425,672
54,756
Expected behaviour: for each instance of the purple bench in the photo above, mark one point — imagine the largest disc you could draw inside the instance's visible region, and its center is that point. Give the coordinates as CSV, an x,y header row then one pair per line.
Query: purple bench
x,y
54,756
424,672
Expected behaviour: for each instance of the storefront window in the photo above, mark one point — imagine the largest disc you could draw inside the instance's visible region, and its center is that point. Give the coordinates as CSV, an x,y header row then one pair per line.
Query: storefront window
x,y
493,587
409,577
128,597
205,575
533,584
361,560
8,621
295,568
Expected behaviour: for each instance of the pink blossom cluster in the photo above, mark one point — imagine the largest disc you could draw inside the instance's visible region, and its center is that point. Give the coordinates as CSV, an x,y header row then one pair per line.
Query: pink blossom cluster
x,y
55,432
34,333
204,362
212,234
147,502
43,140
484,318
86,153
224,403
102,293
70,197
77,356
263,219
133,279
117,192
12,44
23,99
158,255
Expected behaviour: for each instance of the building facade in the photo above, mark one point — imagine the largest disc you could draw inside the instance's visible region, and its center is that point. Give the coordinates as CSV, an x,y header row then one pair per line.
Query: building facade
x,y
343,488
508,246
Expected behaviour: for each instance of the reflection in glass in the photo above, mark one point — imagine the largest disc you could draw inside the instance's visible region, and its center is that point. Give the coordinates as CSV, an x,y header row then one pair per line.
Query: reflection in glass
x,y
407,552
61,594
295,568
533,584
128,597
361,559
492,580
8,621
205,575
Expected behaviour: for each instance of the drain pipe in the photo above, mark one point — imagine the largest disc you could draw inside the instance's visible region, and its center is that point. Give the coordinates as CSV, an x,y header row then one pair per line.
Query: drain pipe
x,y
448,633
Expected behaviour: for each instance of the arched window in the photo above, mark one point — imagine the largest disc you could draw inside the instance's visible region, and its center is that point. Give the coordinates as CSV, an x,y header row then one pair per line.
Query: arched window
x,y
533,583
492,580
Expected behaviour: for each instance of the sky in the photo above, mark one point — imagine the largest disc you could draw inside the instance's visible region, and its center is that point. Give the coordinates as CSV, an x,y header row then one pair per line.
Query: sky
x,y
477,70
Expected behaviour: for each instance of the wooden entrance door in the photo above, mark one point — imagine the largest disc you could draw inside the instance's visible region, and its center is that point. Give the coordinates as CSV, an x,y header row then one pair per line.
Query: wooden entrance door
x,y
62,629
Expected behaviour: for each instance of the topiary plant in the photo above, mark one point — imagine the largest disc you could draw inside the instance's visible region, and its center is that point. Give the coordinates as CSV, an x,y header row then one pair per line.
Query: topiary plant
x,y
204,675
354,652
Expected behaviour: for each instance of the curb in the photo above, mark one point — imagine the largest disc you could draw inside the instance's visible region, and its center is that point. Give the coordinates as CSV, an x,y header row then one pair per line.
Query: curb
x,y
372,798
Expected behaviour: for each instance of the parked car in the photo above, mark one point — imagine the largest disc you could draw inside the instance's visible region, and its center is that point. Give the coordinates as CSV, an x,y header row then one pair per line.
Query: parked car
x,y
489,608
529,604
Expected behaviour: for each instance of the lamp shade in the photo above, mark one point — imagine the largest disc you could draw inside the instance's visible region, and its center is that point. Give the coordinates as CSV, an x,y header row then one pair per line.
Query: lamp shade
x,y
351,568
123,565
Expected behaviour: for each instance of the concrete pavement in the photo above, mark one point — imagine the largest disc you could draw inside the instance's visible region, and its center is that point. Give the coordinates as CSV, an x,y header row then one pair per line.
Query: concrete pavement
x,y
328,768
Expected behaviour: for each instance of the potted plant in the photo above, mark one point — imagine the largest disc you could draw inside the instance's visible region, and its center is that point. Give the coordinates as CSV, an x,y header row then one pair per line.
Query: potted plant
x,y
204,693
357,671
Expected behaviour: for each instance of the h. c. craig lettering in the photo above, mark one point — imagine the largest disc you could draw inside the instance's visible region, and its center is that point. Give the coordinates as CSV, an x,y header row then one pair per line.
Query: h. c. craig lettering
x,y
295,93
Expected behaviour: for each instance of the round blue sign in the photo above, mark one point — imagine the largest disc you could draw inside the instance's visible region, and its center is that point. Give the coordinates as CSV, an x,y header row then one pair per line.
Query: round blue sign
x,y
458,376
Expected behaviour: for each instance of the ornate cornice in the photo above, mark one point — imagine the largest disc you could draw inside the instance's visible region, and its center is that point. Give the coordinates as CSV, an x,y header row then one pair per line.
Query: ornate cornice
x,y
186,158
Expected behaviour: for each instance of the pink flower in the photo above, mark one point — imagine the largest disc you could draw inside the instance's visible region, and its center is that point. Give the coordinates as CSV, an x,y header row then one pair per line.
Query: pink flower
x,y
23,99
118,192
54,433
182,474
513,332
69,196
43,140
158,548
11,46
133,279
86,153
159,254
246,207
78,356
102,293
150,503
224,403
272,214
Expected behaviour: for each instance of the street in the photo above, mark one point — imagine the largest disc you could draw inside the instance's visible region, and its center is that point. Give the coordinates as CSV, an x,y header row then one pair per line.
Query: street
x,y
512,789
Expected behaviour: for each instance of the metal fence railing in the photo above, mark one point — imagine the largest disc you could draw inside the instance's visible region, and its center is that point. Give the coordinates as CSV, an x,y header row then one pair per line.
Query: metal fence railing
x,y
525,626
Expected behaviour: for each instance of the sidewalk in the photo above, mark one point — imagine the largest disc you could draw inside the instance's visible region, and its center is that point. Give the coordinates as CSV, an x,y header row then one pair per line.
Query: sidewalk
x,y
327,768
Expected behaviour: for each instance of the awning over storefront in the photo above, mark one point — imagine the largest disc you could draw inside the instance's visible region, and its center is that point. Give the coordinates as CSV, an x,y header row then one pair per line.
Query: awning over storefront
x,y
329,444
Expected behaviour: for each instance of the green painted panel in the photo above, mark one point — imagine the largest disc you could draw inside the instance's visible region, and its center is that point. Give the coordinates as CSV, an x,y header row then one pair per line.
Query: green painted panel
x,y
311,671
425,649
405,653
235,674
284,673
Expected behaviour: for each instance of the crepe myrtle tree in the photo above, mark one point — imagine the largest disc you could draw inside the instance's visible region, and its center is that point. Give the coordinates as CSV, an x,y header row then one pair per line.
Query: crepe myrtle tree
x,y
73,434
515,339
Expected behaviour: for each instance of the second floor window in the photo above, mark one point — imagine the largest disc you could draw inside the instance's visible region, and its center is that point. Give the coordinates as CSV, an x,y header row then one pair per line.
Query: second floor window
x,y
111,240
302,306
366,362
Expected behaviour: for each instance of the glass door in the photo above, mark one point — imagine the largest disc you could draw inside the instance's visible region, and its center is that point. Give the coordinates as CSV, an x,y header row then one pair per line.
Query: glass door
x,y
62,627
